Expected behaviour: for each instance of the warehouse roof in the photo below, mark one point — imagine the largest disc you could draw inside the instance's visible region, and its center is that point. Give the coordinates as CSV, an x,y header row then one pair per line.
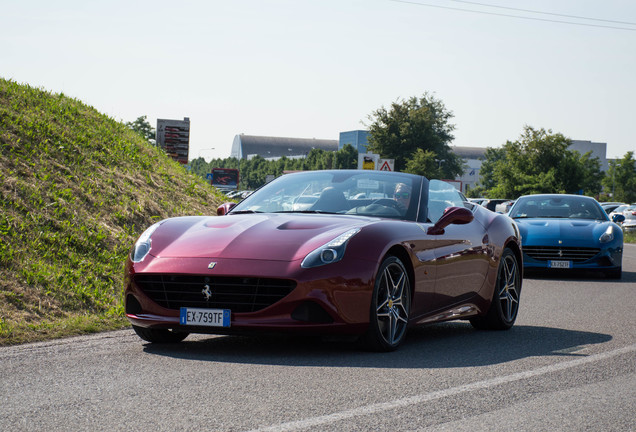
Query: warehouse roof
x,y
245,146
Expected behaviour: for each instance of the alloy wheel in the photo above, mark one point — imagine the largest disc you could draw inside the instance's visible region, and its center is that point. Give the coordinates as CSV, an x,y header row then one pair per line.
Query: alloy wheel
x,y
393,303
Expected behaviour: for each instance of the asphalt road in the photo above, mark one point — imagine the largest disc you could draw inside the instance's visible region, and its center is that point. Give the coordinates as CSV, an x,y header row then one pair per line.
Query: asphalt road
x,y
568,364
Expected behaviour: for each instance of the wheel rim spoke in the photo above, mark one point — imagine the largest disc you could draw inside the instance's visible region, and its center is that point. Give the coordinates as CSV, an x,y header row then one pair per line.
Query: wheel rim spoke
x,y
382,306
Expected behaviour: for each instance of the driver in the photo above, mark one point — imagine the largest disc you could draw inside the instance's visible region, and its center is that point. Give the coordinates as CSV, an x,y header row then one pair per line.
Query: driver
x,y
402,196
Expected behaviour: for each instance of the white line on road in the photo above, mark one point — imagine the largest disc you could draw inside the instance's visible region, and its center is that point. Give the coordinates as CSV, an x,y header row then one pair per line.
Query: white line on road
x,y
426,397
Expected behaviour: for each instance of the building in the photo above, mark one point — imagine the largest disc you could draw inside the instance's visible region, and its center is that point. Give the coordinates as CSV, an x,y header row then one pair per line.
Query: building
x,y
359,139
272,148
599,150
473,158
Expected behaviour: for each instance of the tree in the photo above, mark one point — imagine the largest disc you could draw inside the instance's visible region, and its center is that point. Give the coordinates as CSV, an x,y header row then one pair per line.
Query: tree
x,y
621,179
585,174
345,158
200,167
424,163
412,124
143,128
489,167
539,162
315,159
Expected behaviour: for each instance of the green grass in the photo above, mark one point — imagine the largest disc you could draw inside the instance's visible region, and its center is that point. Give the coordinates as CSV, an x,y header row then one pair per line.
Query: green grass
x,y
629,237
76,189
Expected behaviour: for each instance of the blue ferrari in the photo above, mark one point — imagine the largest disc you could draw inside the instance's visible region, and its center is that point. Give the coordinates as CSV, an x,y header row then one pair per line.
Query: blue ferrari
x,y
568,232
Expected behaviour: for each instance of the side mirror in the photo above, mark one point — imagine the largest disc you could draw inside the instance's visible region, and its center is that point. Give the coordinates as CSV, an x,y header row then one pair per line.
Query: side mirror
x,y
225,208
452,215
618,218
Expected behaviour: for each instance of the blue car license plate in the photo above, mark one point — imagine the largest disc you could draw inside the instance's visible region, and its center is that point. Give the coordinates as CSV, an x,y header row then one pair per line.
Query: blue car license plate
x,y
560,264
205,317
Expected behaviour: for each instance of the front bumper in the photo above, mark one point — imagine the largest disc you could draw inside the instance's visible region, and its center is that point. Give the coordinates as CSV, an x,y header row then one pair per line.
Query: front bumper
x,y
330,299
605,259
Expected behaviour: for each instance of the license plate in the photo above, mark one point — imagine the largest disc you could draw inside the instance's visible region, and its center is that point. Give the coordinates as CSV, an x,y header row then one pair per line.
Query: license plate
x,y
560,264
205,317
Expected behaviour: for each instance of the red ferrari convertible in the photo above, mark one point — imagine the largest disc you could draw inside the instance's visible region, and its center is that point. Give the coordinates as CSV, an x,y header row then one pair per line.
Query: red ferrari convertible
x,y
353,252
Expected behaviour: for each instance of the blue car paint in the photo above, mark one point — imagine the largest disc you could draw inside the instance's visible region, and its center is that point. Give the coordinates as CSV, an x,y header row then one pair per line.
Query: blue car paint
x,y
570,233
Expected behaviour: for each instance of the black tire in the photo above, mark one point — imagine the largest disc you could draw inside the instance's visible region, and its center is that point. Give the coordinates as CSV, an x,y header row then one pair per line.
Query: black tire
x,y
390,307
504,305
616,273
159,335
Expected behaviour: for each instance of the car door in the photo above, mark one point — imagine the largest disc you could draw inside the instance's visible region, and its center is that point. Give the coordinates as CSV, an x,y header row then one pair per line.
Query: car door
x,y
461,254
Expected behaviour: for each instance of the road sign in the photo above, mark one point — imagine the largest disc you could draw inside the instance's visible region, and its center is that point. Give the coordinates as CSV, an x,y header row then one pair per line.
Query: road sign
x,y
386,164
368,161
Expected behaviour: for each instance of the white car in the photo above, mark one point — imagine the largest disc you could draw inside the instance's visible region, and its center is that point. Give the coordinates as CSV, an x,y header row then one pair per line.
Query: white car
x,y
629,224
610,207
618,210
504,207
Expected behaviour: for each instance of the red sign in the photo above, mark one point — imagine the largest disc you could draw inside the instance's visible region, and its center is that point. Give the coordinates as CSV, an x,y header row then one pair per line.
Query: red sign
x,y
225,178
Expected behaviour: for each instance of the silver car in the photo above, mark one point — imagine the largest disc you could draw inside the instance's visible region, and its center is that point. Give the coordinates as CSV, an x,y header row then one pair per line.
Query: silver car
x,y
618,210
629,224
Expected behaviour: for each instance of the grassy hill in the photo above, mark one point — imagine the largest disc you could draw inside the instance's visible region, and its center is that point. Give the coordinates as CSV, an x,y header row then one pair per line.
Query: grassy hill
x,y
76,189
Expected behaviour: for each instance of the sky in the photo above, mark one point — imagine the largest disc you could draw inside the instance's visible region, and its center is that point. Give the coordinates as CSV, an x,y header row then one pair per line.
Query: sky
x,y
315,68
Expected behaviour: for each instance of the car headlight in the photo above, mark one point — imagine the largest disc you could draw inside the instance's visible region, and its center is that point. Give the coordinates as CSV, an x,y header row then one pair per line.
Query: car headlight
x,y
143,244
607,236
330,252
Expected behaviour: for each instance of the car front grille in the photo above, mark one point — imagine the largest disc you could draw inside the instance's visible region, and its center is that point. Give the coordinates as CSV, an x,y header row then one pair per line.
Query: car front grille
x,y
239,294
545,253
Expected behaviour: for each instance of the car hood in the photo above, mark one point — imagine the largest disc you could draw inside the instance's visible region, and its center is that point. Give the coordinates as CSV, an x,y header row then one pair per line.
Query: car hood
x,y
556,232
271,236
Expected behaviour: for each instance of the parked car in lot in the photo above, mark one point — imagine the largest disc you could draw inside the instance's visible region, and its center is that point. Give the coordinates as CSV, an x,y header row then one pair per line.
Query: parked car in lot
x,y
376,253
477,201
568,232
618,210
606,203
610,207
504,207
629,224
491,204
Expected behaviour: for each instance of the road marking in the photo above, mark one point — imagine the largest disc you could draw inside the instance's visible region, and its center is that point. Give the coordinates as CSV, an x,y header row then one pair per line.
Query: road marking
x,y
427,397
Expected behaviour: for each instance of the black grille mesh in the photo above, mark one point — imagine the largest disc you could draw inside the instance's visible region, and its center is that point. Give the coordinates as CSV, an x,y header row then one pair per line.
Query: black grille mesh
x,y
239,294
545,253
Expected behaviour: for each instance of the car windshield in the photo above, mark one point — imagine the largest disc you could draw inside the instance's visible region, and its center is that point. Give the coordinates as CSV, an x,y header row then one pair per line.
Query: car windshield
x,y
362,192
571,207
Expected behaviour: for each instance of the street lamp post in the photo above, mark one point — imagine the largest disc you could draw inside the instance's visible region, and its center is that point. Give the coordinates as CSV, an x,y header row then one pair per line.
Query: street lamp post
x,y
439,164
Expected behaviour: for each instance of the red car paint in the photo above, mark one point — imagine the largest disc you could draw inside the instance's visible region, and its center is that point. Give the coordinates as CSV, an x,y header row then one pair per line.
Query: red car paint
x,y
452,267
